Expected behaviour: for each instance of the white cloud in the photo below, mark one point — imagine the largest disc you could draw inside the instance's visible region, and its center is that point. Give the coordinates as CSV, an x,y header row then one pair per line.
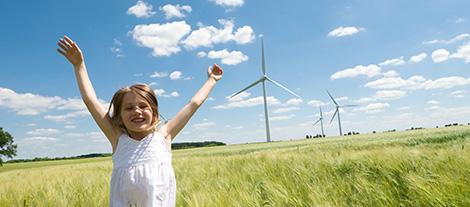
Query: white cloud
x,y
396,61
33,139
228,58
294,102
207,36
370,70
204,125
159,75
455,39
432,102
161,38
344,31
116,49
286,109
463,52
374,107
141,10
244,35
248,103
175,75
239,96
446,82
383,95
396,82
440,55
65,117
280,118
201,54
174,94
175,11
460,20
418,58
43,132
229,3
316,103
458,93
162,93
390,74
27,103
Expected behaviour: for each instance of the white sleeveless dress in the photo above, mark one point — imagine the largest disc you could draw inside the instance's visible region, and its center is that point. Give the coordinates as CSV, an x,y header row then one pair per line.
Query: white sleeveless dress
x,y
142,173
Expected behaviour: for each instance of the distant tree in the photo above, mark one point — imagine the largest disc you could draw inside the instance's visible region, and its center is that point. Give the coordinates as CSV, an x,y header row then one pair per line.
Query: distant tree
x,y
7,148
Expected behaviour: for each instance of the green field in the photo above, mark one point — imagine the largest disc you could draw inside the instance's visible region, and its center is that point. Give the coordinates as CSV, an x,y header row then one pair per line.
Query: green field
x,y
414,168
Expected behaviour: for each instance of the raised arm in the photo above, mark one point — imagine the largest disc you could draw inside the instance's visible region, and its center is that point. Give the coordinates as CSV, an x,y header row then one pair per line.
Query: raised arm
x,y
74,55
175,125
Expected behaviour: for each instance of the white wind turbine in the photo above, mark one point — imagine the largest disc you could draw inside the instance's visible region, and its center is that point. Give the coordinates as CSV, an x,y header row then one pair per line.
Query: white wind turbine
x,y
337,112
264,78
321,122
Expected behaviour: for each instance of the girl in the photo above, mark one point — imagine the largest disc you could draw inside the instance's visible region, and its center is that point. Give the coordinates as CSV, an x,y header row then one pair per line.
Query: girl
x,y
142,173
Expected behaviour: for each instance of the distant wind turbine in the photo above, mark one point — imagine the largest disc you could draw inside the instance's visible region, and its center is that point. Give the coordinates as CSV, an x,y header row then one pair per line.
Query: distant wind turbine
x,y
264,78
337,112
321,122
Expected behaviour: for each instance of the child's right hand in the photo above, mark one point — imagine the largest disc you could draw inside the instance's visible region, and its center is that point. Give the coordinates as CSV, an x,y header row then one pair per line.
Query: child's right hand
x,y
71,51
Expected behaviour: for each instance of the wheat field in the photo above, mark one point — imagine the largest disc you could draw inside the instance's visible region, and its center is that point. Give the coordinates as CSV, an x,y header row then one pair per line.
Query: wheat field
x,y
429,167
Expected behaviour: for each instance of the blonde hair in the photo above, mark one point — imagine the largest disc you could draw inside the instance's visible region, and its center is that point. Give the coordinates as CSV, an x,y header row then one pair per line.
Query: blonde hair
x,y
143,90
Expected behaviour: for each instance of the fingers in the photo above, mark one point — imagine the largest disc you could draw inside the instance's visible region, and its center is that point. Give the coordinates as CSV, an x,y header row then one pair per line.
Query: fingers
x,y
217,70
61,52
68,40
209,71
63,46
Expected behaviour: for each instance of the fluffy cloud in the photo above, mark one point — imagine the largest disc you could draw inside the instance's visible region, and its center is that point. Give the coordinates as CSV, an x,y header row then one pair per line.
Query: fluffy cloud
x,y
249,103
316,103
396,61
446,82
27,103
228,58
175,75
344,31
159,75
383,95
163,39
418,58
229,3
455,39
373,108
207,36
44,132
175,11
370,71
162,93
440,55
463,52
396,82
141,10
286,109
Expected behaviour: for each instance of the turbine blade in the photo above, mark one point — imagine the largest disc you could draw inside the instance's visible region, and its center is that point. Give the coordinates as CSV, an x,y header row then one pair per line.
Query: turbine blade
x,y
263,65
336,111
253,84
317,121
283,87
332,98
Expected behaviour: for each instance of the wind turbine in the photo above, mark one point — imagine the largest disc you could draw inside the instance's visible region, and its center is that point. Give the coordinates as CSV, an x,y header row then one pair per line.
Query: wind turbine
x,y
321,122
262,80
337,112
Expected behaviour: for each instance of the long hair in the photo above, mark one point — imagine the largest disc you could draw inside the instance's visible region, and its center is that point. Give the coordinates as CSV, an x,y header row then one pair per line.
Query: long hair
x,y
140,89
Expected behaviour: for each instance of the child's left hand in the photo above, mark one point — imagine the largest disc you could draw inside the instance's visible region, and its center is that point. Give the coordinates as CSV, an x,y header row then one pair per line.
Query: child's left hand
x,y
215,73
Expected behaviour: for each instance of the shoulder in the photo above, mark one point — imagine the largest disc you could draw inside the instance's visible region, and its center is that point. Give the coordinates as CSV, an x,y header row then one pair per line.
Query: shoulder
x,y
163,130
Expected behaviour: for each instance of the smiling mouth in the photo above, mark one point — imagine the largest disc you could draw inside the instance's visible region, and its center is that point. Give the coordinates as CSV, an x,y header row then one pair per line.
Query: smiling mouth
x,y
137,120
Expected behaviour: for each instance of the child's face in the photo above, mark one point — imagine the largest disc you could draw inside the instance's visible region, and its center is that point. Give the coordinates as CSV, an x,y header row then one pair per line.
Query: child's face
x,y
136,115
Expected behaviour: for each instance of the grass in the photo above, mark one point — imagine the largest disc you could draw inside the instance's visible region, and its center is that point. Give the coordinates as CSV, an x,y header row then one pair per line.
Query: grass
x,y
414,168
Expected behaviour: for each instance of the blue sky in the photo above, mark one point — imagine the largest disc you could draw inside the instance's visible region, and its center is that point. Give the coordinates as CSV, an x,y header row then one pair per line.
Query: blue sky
x,y
406,64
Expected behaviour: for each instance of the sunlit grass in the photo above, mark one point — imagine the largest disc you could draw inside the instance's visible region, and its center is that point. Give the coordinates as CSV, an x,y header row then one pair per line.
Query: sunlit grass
x,y
414,168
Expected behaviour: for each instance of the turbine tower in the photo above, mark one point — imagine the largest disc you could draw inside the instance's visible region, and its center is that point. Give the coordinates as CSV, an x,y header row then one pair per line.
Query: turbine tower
x,y
321,122
262,80
337,112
